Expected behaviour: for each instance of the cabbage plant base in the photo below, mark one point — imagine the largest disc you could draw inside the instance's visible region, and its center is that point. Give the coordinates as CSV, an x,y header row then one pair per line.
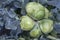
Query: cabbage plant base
x,y
36,28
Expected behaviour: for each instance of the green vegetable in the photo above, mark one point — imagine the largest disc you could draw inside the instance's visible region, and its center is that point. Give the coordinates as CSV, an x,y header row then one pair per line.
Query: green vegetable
x,y
35,32
26,23
35,10
47,13
46,25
